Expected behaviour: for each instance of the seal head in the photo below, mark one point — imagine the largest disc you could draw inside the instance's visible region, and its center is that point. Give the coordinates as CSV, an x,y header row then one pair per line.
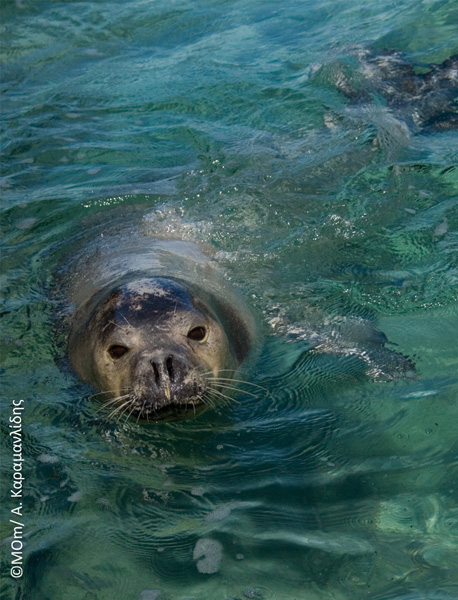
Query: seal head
x,y
155,349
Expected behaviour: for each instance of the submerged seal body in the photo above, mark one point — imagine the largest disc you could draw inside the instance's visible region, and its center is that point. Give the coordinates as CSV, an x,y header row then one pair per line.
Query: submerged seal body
x,y
424,95
154,328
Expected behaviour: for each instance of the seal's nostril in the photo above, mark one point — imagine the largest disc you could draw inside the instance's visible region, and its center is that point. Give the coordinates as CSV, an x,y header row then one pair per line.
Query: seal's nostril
x,y
163,371
169,367
156,371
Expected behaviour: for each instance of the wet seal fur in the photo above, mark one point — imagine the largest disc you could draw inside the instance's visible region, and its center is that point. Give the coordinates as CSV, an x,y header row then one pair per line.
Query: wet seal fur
x,y
422,95
154,328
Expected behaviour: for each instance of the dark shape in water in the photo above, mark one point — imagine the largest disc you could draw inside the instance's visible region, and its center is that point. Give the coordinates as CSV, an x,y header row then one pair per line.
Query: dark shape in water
x,y
424,95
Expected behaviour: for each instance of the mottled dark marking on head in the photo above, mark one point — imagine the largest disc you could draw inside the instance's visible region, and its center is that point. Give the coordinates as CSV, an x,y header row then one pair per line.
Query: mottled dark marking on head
x,y
135,303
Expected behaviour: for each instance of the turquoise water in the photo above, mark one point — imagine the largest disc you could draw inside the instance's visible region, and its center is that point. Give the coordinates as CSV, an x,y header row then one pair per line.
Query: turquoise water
x,y
222,123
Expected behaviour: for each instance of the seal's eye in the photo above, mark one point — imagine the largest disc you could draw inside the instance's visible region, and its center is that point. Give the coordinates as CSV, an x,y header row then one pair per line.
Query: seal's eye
x,y
197,334
116,351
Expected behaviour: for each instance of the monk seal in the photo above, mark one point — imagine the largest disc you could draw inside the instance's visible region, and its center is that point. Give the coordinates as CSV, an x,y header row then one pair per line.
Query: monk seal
x,y
154,328
157,329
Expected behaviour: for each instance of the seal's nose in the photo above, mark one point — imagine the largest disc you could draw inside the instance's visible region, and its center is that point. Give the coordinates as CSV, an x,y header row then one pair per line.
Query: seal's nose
x,y
164,373
163,369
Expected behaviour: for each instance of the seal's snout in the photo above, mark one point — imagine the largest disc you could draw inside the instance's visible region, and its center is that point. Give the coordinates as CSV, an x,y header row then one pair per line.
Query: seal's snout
x,y
166,371
163,369
166,380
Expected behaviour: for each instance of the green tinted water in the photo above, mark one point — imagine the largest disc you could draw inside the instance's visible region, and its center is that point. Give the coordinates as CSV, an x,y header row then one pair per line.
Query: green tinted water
x,y
222,122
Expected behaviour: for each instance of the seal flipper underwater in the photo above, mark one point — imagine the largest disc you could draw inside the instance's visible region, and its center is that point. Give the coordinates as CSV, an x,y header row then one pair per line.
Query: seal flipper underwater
x,y
428,99
350,349
424,96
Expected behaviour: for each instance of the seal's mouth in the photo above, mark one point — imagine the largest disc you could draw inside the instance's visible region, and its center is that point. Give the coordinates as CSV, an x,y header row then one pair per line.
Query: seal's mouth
x,y
173,411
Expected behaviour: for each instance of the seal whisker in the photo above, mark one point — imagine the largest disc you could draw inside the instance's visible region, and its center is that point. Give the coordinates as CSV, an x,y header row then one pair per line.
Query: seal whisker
x,y
112,401
208,400
236,389
131,411
227,398
118,325
205,373
92,396
255,385
220,401
125,319
120,409
205,398
124,408
117,409
115,399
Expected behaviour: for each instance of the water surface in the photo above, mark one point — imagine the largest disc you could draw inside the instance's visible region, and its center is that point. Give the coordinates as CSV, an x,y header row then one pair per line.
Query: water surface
x,y
222,122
